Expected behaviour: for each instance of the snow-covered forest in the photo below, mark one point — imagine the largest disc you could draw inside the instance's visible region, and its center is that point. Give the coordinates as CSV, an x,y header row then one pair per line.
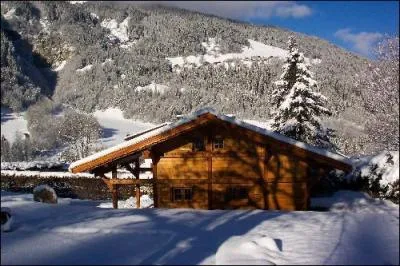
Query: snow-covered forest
x,y
155,62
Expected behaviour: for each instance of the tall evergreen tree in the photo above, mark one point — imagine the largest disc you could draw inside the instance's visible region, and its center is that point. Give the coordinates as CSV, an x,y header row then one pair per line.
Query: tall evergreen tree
x,y
298,105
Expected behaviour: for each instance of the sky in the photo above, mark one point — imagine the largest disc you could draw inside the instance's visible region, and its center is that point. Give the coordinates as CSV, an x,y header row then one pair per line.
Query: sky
x,y
354,25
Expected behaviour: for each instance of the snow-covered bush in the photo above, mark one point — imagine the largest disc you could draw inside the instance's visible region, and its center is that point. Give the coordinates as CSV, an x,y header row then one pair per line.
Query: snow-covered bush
x,y
381,174
45,194
145,202
6,219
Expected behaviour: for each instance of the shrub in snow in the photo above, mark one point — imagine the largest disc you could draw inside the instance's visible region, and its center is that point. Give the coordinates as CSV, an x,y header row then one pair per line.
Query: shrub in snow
x,y
45,194
6,219
130,203
381,175
145,202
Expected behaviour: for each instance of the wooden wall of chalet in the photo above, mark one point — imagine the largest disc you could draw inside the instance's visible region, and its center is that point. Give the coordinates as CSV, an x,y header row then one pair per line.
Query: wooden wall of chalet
x,y
274,178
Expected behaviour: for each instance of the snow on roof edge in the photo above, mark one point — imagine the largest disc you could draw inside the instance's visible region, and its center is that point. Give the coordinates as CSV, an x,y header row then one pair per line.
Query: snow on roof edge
x,y
285,139
232,120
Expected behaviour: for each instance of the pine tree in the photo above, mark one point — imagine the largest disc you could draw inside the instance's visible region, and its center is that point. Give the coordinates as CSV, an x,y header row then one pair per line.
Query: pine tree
x,y
298,105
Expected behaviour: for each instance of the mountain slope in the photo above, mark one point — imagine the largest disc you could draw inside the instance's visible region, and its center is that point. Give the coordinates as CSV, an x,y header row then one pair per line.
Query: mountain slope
x,y
104,54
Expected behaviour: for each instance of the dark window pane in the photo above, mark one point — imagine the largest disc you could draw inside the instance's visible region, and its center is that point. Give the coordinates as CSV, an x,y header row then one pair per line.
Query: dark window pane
x,y
180,194
235,193
198,144
188,194
218,143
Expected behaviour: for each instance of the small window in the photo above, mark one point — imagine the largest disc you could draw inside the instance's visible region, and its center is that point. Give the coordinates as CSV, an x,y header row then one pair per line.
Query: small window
x,y
218,143
198,144
182,194
237,193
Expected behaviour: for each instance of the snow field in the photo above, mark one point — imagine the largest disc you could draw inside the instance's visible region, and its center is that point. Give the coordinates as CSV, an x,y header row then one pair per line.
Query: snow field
x,y
356,230
213,56
116,127
12,123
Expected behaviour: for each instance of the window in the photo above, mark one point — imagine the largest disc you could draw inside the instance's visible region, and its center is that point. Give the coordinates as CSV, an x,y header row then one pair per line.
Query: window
x,y
182,194
218,143
236,193
198,144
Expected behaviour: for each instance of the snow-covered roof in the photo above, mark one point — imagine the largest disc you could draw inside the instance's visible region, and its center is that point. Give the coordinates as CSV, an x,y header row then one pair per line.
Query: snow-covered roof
x,y
194,116
145,131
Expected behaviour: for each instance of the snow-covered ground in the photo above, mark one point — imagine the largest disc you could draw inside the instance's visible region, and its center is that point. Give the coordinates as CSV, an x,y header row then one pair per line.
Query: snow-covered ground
x,y
10,14
145,202
44,22
213,56
153,87
108,60
356,230
116,127
85,68
77,2
11,123
60,65
119,31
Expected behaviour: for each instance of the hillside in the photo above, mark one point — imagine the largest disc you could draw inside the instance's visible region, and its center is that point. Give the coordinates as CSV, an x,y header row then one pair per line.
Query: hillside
x,y
154,63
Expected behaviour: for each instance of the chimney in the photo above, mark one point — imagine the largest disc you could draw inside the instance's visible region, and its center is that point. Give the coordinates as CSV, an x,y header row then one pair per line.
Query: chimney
x,y
231,116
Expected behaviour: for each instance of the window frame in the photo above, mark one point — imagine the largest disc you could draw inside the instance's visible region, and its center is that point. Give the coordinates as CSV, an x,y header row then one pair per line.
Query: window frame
x,y
218,143
237,193
186,194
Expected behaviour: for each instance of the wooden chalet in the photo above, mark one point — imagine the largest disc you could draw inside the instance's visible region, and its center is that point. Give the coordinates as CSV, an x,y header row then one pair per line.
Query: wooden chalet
x,y
212,161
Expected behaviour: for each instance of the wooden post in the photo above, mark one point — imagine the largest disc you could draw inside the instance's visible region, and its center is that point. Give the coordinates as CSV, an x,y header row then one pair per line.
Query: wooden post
x,y
137,186
209,150
115,196
114,189
155,160
114,173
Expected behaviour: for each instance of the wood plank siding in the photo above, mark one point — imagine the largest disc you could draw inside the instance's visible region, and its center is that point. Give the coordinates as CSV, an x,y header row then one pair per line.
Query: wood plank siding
x,y
270,177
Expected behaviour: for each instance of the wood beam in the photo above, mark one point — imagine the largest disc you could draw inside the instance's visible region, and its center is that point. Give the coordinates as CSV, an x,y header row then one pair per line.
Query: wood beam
x,y
145,169
137,186
128,181
114,173
155,159
130,169
115,196
209,155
